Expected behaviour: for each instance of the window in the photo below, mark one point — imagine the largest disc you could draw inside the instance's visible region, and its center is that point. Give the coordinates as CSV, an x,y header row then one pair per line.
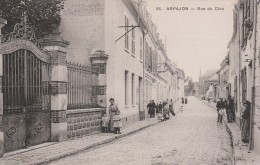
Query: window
x,y
126,34
248,17
150,59
146,56
141,48
155,61
133,41
126,88
133,89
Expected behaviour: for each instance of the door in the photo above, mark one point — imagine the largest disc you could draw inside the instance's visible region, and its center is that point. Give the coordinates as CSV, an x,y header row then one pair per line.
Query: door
x,y
244,84
26,100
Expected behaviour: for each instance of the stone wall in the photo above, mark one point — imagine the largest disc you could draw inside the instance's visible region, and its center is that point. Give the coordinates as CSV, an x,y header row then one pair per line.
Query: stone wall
x,y
83,122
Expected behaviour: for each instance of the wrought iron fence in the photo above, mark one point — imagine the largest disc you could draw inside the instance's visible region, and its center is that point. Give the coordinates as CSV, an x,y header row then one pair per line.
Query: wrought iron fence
x,y
81,82
25,83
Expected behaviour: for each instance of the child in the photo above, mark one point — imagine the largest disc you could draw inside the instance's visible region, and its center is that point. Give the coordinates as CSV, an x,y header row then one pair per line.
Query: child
x,y
221,113
105,123
166,112
117,123
160,116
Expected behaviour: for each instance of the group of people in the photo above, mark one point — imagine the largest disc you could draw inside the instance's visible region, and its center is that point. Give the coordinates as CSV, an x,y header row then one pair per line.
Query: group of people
x,y
229,106
163,109
184,100
113,122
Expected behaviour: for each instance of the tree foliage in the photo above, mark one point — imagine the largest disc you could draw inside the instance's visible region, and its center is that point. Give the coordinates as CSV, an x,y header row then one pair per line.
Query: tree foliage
x,y
43,15
189,89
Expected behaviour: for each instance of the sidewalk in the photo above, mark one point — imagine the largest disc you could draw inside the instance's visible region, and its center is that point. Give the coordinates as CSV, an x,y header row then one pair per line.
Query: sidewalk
x,y
47,152
241,154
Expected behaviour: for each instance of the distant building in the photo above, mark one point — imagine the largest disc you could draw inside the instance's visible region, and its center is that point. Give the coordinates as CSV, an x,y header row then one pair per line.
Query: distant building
x,y
203,85
213,82
223,73
196,88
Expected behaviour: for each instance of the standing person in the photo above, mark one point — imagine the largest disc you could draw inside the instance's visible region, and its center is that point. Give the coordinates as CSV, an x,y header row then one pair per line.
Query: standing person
x,y
112,111
117,123
164,103
160,107
230,109
245,132
166,115
182,100
220,108
151,108
105,122
157,108
171,107
186,101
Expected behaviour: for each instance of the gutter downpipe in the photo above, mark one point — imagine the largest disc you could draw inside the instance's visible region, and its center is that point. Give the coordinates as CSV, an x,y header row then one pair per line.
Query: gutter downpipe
x,y
251,146
239,68
144,106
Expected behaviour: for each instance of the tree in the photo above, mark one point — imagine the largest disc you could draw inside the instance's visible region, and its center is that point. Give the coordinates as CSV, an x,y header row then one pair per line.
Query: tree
x,y
43,15
189,89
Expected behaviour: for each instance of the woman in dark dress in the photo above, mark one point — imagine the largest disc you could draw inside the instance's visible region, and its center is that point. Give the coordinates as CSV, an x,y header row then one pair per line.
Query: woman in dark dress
x,y
245,132
160,107
113,109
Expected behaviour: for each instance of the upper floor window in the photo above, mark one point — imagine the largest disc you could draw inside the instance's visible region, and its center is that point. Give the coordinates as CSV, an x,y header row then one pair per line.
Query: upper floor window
x,y
141,48
133,41
248,16
126,33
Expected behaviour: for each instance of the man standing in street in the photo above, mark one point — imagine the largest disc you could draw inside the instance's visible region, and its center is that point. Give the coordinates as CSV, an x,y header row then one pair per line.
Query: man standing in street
x,y
220,106
230,109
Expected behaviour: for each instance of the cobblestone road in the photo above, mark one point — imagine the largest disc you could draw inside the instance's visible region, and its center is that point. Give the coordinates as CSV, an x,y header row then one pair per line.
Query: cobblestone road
x,y
193,137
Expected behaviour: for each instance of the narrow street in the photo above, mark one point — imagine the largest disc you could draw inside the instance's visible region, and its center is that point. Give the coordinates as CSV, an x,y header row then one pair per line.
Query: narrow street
x,y
191,137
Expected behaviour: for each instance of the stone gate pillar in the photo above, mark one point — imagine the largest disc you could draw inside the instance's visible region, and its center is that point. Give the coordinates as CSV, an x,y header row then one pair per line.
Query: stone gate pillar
x,y
99,60
3,22
56,47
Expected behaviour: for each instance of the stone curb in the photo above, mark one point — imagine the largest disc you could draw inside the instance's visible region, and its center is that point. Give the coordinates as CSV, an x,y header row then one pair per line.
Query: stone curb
x,y
95,144
71,151
229,132
56,157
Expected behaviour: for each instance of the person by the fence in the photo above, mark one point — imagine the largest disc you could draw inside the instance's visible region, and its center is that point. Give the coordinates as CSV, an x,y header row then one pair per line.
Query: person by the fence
x,y
105,122
220,109
230,109
245,132
117,122
186,100
112,111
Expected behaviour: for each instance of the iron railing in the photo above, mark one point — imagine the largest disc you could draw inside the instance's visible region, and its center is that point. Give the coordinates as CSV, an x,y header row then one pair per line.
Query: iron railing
x,y
81,82
25,83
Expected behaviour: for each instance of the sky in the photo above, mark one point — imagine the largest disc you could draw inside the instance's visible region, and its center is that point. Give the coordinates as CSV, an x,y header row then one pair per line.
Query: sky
x,y
195,39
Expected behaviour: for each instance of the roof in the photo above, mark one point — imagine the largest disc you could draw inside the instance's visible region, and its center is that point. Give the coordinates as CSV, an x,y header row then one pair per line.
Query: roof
x,y
209,73
213,78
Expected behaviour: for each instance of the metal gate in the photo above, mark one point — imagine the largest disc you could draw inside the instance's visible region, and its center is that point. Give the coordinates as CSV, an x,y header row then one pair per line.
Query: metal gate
x,y
26,99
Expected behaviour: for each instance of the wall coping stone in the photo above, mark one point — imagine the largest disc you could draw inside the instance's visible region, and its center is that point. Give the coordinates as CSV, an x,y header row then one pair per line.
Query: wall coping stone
x,y
75,111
